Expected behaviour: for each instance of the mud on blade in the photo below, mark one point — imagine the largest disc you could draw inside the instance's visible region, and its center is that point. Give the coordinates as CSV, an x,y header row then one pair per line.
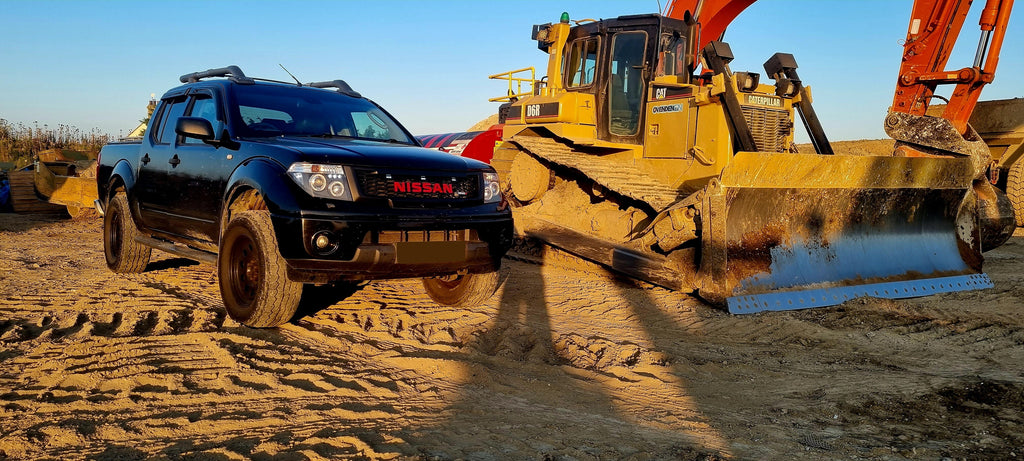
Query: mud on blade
x,y
793,231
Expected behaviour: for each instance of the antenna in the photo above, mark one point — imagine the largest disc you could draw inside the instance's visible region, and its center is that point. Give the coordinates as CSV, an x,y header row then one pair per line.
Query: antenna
x,y
297,82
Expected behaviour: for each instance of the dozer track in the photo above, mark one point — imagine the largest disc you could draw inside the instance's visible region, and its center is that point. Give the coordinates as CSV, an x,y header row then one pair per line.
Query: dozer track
x,y
624,255
623,179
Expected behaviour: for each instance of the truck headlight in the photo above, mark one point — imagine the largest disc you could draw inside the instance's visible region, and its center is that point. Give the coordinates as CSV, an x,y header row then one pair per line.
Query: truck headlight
x,y
492,189
325,181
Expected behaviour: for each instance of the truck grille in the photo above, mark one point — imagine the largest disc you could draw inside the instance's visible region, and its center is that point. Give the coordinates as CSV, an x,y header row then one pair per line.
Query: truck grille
x,y
769,127
374,183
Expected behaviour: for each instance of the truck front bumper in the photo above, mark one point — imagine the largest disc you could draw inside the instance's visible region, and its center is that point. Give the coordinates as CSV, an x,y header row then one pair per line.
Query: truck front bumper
x,y
323,249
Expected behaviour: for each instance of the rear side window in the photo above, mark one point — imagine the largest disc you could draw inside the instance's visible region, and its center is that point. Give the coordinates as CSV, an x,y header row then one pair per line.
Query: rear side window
x,y
173,110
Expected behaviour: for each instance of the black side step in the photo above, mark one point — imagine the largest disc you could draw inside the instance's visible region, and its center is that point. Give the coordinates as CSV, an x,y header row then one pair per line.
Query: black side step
x,y
179,250
646,267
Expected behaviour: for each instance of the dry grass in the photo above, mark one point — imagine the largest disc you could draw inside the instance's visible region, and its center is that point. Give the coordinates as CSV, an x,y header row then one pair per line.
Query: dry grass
x,y
20,144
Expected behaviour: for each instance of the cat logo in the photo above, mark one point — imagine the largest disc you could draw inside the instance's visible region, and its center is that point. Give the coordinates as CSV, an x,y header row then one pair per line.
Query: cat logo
x,y
764,100
659,93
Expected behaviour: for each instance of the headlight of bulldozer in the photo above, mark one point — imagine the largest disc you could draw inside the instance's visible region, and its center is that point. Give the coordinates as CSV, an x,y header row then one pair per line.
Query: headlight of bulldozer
x,y
492,190
325,181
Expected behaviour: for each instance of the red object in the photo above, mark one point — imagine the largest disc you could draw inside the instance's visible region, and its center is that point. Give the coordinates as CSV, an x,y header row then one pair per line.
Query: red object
x,y
934,27
713,16
478,145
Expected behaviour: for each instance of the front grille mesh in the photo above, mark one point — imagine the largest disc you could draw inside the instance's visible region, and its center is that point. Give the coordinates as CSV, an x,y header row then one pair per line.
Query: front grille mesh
x,y
381,184
769,127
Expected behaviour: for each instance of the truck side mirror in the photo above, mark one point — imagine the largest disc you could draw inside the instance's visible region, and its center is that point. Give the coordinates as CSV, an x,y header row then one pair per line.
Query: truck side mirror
x,y
195,127
201,129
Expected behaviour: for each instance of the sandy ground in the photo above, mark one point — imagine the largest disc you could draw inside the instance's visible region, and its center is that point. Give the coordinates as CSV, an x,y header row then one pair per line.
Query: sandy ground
x,y
560,365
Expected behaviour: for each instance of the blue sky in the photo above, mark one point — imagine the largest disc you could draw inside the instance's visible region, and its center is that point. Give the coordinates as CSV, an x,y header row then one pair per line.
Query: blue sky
x,y
94,64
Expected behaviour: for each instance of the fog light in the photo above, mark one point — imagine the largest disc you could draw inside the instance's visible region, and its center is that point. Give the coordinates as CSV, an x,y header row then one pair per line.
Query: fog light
x,y
324,243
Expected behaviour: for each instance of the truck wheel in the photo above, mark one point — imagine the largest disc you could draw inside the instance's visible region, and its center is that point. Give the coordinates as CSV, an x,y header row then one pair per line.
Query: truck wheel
x,y
253,277
124,255
1015,190
462,290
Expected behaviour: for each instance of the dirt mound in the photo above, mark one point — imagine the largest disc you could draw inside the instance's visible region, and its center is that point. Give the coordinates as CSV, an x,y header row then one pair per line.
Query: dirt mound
x,y
860,147
485,123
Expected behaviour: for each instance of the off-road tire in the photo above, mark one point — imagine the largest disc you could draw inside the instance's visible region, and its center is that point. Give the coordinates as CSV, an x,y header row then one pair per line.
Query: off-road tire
x,y
1015,190
124,255
462,290
253,276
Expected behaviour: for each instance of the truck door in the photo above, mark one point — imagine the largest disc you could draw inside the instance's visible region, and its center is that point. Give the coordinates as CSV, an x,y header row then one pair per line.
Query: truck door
x,y
198,174
155,199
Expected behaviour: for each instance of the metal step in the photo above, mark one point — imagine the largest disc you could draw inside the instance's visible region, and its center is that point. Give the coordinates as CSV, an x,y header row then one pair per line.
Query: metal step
x,y
179,250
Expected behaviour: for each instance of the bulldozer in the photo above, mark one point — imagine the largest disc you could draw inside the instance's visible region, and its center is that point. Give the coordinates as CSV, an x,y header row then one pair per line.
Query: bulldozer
x,y
643,151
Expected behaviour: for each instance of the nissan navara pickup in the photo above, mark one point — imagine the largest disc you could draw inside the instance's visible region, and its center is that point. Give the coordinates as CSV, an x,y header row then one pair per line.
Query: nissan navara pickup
x,y
281,185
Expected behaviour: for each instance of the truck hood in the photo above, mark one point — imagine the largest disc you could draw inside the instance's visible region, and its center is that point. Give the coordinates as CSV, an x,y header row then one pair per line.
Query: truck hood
x,y
373,153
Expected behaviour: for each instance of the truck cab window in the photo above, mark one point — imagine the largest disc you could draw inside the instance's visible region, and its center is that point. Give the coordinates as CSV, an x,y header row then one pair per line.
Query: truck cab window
x,y
203,106
288,111
173,110
627,86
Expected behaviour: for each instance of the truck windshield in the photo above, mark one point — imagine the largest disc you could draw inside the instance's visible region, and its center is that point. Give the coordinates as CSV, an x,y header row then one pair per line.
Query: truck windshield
x,y
270,110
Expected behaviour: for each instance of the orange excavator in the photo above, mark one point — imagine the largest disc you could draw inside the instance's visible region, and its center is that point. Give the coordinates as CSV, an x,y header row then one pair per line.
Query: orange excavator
x,y
643,151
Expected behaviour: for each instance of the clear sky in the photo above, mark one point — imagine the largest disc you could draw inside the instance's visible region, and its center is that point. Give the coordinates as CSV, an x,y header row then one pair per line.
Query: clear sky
x,y
94,64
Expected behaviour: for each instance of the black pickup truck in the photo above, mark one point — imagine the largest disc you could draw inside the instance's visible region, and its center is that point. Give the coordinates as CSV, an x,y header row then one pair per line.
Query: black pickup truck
x,y
286,184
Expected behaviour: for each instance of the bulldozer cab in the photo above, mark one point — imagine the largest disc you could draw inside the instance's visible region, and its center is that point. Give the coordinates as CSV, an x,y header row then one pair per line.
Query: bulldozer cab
x,y
615,61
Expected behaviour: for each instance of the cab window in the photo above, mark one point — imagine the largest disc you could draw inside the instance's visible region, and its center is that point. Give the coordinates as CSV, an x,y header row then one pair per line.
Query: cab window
x,y
581,62
173,110
203,106
672,56
627,86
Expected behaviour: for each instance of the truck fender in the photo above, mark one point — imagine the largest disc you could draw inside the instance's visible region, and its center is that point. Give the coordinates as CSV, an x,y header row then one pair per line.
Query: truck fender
x,y
268,178
121,175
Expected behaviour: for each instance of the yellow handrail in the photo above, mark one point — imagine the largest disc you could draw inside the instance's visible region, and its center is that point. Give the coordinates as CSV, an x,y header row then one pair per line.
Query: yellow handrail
x,y
518,80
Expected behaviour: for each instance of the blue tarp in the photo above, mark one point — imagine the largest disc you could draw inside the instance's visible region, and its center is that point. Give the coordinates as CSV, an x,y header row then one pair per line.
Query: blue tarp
x,y
5,193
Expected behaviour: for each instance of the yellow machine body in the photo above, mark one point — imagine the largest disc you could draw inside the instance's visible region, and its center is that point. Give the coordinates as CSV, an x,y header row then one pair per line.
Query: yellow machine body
x,y
693,181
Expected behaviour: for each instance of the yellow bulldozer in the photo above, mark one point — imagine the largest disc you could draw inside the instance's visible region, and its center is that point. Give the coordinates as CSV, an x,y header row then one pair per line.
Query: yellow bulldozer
x,y
643,151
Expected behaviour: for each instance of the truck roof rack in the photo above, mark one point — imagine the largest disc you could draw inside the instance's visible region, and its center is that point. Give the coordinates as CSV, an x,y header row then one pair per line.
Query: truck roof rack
x,y
342,87
233,73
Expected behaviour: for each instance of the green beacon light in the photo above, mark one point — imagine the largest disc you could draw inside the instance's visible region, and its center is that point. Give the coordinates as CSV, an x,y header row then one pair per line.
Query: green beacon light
x,y
565,17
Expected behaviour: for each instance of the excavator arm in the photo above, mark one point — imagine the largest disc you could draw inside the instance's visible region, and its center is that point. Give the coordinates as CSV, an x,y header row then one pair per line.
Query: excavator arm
x,y
934,28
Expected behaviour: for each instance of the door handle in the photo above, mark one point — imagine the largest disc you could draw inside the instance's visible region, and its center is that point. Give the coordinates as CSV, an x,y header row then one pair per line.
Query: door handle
x,y
145,159
174,161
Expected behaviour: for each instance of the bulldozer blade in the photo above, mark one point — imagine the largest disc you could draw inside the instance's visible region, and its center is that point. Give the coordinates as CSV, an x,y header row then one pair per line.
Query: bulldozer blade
x,y
794,231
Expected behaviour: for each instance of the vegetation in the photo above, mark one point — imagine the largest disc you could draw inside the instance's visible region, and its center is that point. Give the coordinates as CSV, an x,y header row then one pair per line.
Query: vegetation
x,y
20,144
